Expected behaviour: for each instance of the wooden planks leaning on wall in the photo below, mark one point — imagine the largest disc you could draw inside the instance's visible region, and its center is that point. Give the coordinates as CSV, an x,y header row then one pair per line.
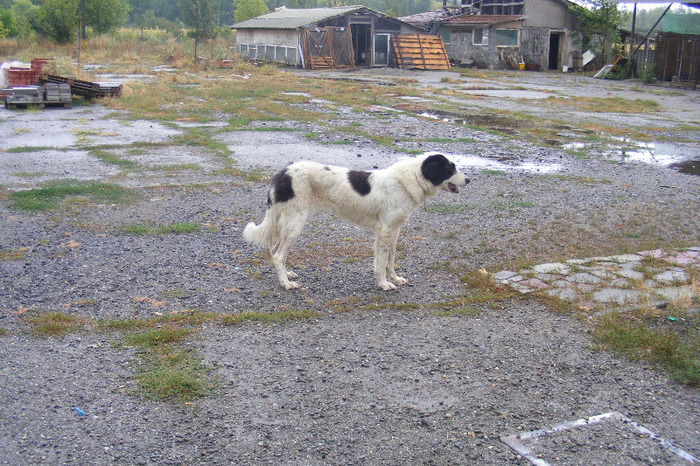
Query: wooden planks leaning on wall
x,y
419,51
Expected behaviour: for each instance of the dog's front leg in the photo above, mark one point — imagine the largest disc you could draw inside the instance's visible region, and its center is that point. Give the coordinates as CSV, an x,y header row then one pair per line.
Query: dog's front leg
x,y
382,246
391,272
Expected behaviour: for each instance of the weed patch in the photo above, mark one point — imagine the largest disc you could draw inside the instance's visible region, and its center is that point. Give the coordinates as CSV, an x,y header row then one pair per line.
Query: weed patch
x,y
56,324
173,228
663,347
441,208
112,159
53,194
13,254
267,317
166,370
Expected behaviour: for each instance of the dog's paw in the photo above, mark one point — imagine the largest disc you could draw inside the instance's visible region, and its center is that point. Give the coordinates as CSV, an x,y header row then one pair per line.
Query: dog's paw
x,y
291,285
396,280
291,275
386,286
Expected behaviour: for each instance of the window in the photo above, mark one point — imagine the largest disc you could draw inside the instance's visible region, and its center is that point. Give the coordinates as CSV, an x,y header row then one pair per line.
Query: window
x,y
445,34
480,36
505,37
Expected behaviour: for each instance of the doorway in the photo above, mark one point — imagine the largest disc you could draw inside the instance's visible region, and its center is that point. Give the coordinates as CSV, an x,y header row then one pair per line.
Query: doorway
x,y
362,43
381,49
555,44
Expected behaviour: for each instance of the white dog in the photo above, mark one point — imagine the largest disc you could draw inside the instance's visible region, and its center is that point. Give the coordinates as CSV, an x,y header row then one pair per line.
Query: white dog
x,y
381,200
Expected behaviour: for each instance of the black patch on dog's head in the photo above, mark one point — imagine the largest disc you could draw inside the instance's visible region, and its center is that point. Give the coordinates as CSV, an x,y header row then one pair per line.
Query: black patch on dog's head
x,y
281,187
437,168
359,181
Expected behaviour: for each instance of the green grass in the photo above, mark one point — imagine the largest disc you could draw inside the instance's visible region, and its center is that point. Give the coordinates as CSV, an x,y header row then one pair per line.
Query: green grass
x,y
267,317
113,159
166,370
201,137
29,149
56,324
13,254
150,230
664,347
158,337
52,195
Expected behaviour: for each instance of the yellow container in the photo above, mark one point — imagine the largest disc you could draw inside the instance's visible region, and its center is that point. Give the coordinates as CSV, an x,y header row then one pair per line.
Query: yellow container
x,y
521,66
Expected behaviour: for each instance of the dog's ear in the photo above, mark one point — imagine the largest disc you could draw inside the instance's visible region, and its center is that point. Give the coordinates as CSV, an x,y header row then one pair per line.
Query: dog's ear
x,y
437,168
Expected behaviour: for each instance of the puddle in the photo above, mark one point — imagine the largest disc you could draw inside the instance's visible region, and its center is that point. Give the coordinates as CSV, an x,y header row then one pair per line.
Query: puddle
x,y
475,161
682,158
487,120
657,153
196,124
689,167
278,149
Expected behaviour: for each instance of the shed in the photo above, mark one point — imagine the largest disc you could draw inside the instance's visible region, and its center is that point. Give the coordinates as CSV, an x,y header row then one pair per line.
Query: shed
x,y
334,37
677,58
493,33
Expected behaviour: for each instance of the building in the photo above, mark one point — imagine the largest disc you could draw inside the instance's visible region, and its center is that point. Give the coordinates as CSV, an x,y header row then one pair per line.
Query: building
x,y
677,59
500,34
335,37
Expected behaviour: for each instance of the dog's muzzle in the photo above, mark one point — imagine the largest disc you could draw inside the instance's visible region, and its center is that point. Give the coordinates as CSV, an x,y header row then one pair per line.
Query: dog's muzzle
x,y
453,187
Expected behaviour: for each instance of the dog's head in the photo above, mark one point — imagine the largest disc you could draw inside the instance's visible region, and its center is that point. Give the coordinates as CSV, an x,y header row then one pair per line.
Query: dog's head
x,y
442,172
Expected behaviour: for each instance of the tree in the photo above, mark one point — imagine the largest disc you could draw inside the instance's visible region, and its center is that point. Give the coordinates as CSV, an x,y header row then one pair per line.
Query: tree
x,y
56,20
599,24
246,9
7,24
23,11
202,16
103,15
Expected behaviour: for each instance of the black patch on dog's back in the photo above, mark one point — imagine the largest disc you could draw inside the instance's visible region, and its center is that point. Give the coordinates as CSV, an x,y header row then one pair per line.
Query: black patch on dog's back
x,y
281,188
359,181
436,169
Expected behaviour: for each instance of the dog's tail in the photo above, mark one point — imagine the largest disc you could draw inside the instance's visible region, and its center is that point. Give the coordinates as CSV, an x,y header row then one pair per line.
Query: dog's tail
x,y
258,234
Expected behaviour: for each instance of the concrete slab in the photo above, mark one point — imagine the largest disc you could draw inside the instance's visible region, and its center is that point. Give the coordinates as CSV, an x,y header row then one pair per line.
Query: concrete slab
x,y
675,292
618,296
554,267
584,277
671,277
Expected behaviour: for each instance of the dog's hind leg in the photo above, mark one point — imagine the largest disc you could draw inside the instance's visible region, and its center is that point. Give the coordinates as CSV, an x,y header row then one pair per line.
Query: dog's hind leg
x,y
391,273
290,228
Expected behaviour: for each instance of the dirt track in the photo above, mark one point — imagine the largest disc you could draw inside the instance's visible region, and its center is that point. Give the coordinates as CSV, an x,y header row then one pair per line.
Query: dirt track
x,y
381,386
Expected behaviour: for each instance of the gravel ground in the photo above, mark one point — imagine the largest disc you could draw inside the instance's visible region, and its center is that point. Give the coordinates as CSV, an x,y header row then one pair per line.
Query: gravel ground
x,y
387,386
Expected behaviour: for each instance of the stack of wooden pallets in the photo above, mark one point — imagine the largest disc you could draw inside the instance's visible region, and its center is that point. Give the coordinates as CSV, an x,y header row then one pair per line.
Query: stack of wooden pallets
x,y
84,88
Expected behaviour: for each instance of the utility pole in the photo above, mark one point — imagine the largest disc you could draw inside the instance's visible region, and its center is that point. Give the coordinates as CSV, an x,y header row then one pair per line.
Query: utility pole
x,y
82,19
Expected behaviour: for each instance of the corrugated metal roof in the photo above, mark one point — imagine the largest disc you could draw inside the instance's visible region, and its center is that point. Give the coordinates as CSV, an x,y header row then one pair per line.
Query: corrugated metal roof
x,y
293,18
427,17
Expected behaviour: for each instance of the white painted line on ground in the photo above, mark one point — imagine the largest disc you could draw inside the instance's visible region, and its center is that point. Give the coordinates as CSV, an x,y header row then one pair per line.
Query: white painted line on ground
x,y
515,441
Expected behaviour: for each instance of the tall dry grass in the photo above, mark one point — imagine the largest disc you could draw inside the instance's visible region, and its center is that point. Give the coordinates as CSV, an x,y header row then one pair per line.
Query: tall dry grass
x,y
124,50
